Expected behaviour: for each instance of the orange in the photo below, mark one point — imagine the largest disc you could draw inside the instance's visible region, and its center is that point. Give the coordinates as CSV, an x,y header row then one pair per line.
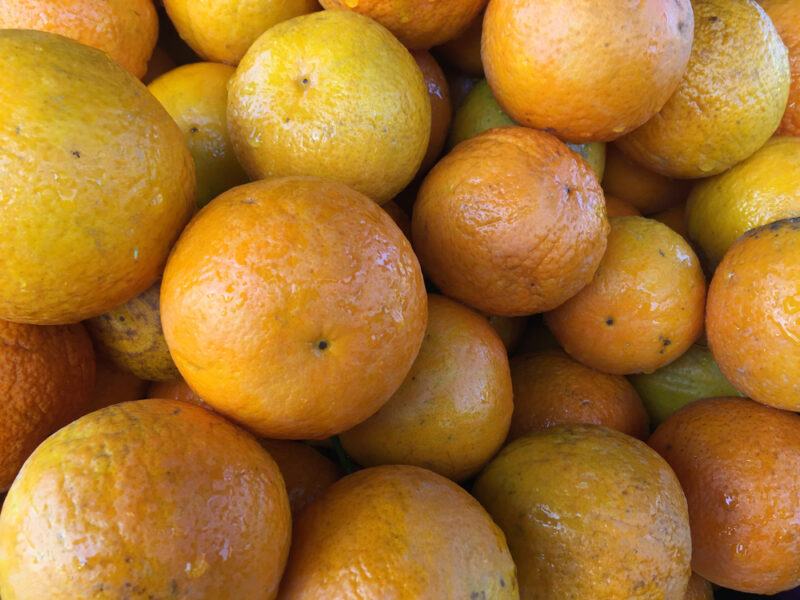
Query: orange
x,y
762,189
619,208
737,462
589,513
460,86
131,336
730,101
294,306
223,30
753,322
196,96
587,70
154,498
699,589
46,380
511,222
537,337
177,389
785,15
397,532
441,108
334,95
452,412
160,62
552,389
675,219
126,30
464,51
114,385
419,24
510,329
306,473
648,191
87,222
399,216
643,309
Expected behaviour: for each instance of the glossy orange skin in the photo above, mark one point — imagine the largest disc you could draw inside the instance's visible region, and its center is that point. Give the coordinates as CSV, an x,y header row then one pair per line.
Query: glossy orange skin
x,y
441,107
452,412
397,532
306,473
589,513
785,15
587,70
552,389
294,306
147,499
46,380
620,208
699,589
737,462
643,309
126,30
753,322
113,385
464,51
419,24
510,222
675,219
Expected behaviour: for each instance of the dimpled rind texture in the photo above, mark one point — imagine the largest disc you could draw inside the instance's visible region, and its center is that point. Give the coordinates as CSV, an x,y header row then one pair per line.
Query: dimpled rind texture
x,y
644,307
397,532
418,24
761,189
582,69
737,462
753,321
223,30
730,101
146,499
552,389
46,380
452,412
132,337
589,513
294,305
785,15
96,181
332,94
126,30
511,222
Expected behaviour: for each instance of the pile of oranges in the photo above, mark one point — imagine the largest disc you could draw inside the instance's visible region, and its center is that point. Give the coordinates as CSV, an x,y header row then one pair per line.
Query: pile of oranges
x,y
399,299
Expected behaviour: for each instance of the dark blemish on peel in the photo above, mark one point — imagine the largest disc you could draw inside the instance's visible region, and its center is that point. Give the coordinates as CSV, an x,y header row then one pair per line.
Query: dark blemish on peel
x,y
177,411
681,26
502,582
661,252
322,345
194,129
568,190
173,586
76,153
664,343
610,321
17,130
713,19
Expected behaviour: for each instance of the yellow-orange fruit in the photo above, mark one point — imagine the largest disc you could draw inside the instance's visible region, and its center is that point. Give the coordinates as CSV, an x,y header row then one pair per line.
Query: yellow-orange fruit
x,y
113,385
441,108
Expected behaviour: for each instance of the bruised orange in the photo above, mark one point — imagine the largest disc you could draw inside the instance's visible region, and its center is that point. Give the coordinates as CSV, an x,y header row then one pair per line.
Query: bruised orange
x,y
441,108
643,309
511,222
294,306
397,532
587,70
154,498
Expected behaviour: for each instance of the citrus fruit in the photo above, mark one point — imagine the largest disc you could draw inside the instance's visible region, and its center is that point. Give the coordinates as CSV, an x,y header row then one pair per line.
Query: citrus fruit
x,y
511,222
305,471
648,191
176,389
762,189
692,376
753,321
737,462
552,389
126,30
223,30
331,94
160,63
644,307
151,498
397,532
619,208
196,96
132,337
87,221
46,380
460,86
452,412
510,329
293,305
589,513
593,153
113,385
699,589
537,337
419,24
674,218
464,51
785,15
586,70
441,108
399,216
730,101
